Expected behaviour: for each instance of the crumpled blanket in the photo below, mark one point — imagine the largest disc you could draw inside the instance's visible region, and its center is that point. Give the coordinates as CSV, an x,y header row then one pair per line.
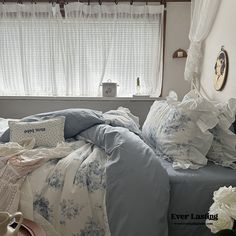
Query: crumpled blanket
x,y
128,175
67,196
16,162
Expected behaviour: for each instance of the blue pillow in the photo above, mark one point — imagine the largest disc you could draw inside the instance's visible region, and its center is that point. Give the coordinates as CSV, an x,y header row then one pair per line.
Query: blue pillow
x,y
76,121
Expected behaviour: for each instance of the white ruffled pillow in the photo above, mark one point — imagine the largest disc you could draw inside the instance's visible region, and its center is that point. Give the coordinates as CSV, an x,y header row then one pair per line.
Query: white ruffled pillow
x,y
47,133
223,149
179,131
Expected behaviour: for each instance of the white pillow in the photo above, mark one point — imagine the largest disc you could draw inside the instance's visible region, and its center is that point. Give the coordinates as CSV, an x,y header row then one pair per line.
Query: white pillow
x,y
223,149
46,132
124,118
179,132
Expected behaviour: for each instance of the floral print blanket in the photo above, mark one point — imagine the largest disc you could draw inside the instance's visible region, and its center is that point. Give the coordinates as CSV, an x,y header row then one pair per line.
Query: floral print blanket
x,y
111,184
67,197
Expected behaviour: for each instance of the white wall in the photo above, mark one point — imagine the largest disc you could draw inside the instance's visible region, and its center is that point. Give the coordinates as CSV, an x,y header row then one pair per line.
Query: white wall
x,y
177,30
222,33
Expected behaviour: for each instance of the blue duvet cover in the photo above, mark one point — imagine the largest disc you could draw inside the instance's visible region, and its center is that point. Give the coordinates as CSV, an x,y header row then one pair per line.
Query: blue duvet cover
x,y
136,185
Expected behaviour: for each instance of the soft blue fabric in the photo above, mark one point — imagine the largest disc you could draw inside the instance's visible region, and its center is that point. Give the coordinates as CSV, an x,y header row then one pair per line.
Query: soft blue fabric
x,y
192,193
137,193
76,121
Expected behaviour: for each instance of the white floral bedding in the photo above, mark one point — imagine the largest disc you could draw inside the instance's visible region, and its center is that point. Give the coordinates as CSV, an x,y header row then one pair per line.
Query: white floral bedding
x,y
81,193
67,197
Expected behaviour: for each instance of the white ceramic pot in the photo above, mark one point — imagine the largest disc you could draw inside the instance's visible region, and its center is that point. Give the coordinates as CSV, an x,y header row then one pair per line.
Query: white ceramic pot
x,y
109,89
6,219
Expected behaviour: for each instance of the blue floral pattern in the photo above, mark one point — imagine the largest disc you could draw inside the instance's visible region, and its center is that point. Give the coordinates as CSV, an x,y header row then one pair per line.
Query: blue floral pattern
x,y
176,122
41,205
91,175
73,192
56,180
92,229
175,131
69,210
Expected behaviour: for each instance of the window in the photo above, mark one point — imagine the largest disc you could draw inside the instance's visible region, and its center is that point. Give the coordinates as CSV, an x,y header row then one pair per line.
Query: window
x,y
52,56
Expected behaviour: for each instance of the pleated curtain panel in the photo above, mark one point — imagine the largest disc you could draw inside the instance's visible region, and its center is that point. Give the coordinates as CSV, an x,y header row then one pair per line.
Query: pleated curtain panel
x,y
203,16
47,55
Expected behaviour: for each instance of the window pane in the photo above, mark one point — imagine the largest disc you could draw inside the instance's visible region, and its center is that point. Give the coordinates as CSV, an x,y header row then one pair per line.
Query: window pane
x,y
67,57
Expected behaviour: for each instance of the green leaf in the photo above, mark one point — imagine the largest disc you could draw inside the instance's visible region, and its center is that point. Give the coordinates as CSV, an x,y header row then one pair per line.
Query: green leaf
x,y
226,232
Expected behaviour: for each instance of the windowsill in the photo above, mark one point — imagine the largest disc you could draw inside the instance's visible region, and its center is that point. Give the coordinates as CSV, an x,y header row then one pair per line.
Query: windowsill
x,y
78,98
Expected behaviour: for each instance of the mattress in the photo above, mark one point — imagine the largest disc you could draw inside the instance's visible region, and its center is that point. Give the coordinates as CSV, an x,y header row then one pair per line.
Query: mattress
x,y
191,196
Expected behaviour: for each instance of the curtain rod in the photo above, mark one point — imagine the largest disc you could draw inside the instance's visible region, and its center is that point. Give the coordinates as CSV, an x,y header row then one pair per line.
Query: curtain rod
x,y
85,1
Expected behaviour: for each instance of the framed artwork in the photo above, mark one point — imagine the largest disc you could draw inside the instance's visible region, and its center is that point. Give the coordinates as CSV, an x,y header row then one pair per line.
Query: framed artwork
x,y
221,70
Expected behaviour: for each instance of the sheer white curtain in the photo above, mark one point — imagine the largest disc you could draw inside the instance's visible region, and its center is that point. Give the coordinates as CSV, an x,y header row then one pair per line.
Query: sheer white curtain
x,y
203,16
29,59
43,54
114,42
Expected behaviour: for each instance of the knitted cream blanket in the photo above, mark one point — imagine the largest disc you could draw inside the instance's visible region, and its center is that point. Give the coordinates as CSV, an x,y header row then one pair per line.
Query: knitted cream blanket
x,y
16,162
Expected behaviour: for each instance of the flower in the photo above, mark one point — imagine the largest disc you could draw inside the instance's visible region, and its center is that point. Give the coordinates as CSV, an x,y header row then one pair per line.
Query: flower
x,y
224,207
225,195
224,221
227,198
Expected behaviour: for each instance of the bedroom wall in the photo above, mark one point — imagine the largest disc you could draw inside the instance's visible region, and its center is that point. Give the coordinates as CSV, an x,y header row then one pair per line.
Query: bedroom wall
x,y
222,33
177,30
177,27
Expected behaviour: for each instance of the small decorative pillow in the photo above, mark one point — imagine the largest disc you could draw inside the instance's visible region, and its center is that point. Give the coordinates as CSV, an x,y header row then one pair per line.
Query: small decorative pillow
x,y
179,132
46,132
124,118
223,149
76,120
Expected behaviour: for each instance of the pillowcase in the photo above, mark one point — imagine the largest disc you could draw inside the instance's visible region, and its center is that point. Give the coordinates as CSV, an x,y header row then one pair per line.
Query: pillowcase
x,y
76,121
223,149
122,117
46,132
179,131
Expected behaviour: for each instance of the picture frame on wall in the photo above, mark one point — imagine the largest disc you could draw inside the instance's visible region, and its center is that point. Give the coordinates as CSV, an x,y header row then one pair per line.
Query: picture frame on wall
x,y
221,70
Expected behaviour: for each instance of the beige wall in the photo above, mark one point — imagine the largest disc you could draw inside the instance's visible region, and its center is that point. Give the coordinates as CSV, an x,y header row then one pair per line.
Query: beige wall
x,y
177,30
222,33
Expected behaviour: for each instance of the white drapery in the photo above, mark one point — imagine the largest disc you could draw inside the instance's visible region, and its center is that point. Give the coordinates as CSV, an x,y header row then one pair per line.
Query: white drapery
x,y
73,56
114,42
203,16
29,59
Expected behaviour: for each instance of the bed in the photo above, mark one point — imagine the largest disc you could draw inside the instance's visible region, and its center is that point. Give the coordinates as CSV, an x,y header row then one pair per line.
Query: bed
x,y
110,183
113,183
191,193
196,145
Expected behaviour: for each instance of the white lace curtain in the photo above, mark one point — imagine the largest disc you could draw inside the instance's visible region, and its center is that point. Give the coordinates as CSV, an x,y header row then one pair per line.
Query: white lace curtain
x,y
72,56
29,56
203,16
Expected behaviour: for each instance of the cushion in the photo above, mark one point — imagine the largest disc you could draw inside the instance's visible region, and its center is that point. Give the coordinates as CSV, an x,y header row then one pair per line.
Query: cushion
x,y
76,121
179,131
46,132
122,117
223,149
